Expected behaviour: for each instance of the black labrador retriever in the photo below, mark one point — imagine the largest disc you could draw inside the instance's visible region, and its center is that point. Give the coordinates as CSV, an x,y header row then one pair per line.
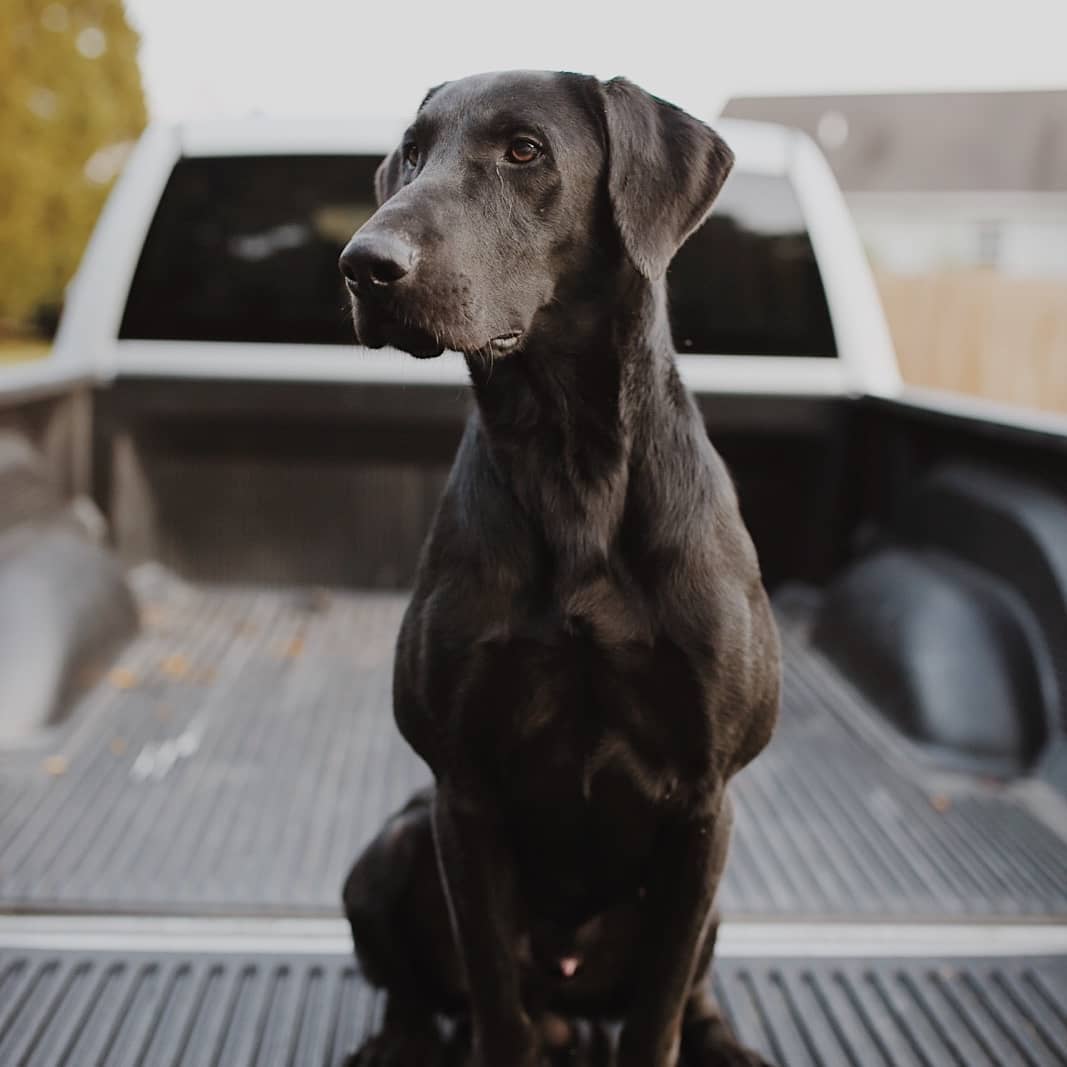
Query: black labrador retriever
x,y
589,654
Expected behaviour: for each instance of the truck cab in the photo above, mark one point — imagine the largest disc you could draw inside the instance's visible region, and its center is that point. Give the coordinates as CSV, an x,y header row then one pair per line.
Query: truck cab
x,y
211,505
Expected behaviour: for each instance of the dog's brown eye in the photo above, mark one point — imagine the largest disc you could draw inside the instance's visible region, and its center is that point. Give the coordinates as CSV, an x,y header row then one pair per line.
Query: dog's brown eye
x,y
523,150
411,155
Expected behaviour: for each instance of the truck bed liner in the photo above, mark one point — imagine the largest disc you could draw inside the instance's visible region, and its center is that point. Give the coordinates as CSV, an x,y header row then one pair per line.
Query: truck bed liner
x,y
248,1010
242,750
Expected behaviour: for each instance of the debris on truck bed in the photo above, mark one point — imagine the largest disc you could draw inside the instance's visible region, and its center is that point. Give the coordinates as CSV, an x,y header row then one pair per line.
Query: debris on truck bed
x,y
253,753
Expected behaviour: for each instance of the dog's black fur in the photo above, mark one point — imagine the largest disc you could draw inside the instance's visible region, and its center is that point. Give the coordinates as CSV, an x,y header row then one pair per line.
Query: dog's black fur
x,y
589,655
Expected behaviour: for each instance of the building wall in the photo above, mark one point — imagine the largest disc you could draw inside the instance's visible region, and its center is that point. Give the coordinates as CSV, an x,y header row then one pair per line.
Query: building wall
x,y
1021,235
979,331
975,290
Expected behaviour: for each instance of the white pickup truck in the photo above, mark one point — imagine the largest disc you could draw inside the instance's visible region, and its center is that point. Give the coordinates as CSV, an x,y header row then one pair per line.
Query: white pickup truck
x,y
211,503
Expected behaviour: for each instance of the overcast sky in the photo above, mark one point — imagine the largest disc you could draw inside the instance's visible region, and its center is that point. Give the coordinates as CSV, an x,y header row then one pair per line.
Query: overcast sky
x,y
354,57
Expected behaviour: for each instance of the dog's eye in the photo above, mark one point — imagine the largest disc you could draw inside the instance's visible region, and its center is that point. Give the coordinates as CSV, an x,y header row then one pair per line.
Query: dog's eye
x,y
411,155
523,150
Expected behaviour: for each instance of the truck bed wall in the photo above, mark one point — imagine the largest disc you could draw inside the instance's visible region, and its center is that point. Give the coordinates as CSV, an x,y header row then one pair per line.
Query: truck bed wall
x,y
259,482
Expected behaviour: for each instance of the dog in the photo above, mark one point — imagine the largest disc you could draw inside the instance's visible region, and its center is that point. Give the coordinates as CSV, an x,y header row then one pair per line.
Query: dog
x,y
589,654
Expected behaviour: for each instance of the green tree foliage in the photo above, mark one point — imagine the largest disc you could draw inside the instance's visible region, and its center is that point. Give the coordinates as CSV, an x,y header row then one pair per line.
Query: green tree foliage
x,y
71,105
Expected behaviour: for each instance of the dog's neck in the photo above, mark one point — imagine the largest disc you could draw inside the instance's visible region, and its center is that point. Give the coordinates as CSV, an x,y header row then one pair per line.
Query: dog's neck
x,y
565,416
583,378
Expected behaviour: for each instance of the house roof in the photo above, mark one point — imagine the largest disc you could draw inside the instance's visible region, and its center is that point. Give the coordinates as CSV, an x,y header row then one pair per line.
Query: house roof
x,y
930,142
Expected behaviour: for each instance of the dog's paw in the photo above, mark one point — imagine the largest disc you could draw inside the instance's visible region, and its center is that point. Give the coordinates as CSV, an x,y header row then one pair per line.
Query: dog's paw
x,y
459,1052
588,1044
396,1049
710,1043
735,1056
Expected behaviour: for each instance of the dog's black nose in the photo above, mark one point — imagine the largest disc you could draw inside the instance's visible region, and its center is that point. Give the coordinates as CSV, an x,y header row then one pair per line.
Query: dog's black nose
x,y
376,259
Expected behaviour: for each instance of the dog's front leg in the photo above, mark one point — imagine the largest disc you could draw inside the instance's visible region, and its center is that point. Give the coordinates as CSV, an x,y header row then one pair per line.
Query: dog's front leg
x,y
677,910
478,871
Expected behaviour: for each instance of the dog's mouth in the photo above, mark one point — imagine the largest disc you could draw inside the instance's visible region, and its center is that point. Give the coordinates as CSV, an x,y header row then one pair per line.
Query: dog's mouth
x,y
376,329
383,322
504,343
411,339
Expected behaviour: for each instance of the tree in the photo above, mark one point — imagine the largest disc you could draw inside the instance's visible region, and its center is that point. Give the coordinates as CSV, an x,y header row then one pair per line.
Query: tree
x,y
72,105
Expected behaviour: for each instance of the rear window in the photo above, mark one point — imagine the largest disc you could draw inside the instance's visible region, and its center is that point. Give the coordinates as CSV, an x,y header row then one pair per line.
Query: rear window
x,y
245,249
747,283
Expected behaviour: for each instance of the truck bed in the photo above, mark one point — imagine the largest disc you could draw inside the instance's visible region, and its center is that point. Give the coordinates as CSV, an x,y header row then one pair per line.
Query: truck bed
x,y
213,785
242,750
310,1010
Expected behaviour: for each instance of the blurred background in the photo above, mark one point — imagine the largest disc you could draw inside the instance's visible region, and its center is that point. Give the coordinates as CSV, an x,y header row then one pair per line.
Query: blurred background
x,y
212,506
945,123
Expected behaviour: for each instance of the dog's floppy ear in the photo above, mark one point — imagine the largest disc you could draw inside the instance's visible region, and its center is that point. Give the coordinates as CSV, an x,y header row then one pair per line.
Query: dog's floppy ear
x,y
665,169
387,177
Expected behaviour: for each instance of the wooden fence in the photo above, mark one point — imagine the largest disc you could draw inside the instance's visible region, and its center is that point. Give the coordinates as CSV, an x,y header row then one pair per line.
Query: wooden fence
x,y
979,332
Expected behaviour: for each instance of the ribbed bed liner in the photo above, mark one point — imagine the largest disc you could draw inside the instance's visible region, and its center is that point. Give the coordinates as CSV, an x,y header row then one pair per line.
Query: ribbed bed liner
x,y
188,1010
242,750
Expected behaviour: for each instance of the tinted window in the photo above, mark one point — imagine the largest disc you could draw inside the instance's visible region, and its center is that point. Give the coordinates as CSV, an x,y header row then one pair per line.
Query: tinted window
x,y
245,249
746,283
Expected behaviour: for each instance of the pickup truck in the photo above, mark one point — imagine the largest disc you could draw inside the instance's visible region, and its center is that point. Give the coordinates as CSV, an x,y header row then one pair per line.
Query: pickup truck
x,y
211,502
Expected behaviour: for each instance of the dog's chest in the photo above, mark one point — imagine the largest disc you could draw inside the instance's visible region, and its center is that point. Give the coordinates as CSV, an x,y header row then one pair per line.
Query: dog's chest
x,y
586,803
597,727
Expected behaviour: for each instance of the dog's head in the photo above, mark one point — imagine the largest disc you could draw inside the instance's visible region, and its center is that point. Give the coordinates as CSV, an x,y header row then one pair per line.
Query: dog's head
x,y
509,188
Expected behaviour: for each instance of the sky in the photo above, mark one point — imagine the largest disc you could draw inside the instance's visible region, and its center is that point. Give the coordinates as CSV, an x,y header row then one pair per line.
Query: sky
x,y
354,57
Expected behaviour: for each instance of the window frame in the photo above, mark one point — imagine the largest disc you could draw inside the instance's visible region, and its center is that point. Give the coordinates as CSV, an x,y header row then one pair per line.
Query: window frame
x,y
865,361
